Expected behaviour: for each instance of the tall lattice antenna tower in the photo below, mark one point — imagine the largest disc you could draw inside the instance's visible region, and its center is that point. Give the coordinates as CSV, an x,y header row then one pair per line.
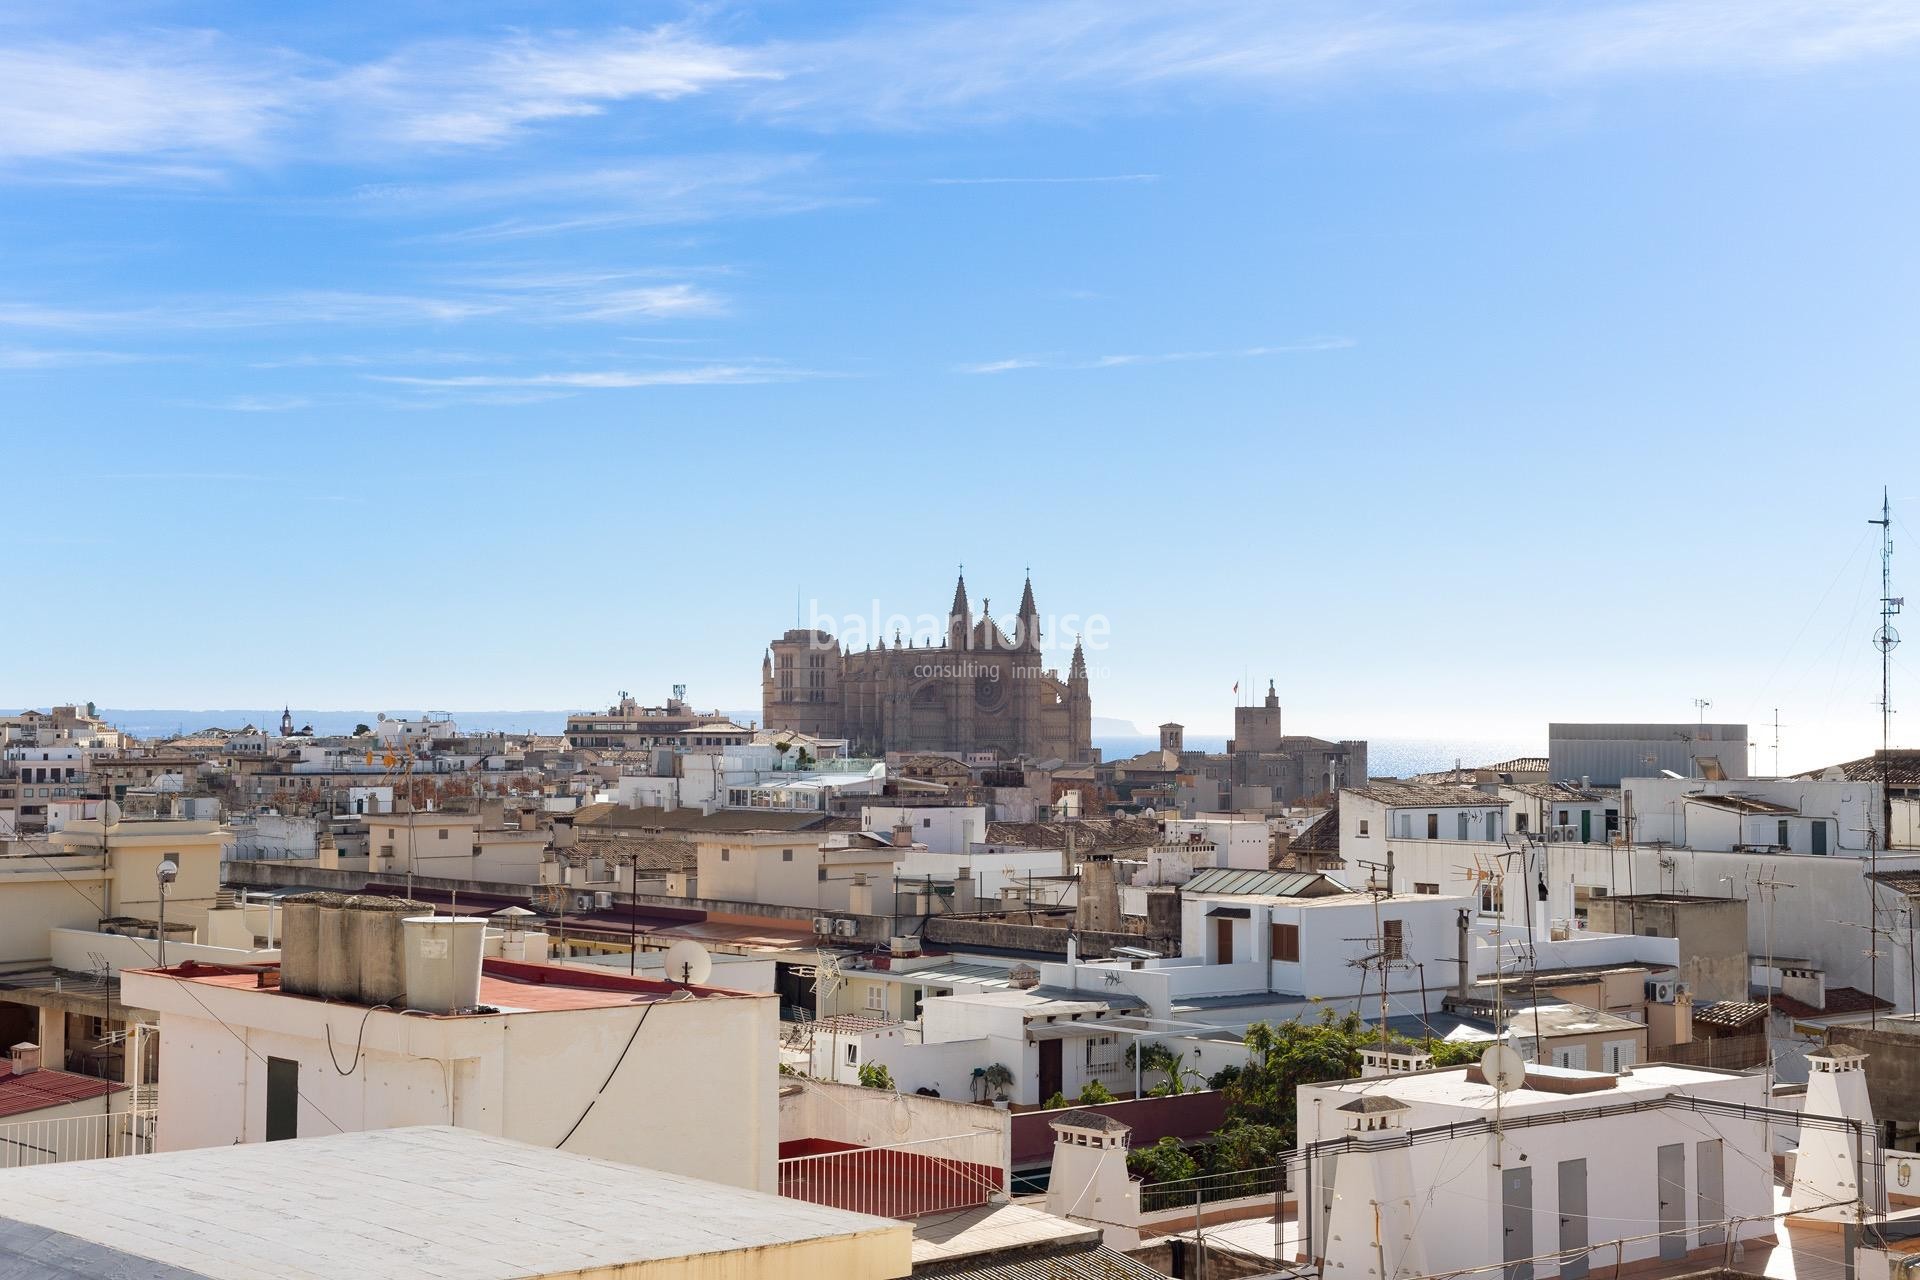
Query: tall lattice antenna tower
x,y
1886,638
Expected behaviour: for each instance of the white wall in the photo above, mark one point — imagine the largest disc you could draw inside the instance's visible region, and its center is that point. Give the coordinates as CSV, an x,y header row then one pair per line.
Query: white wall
x,y
1806,920
1458,1190
695,1094
943,1127
1660,812
943,829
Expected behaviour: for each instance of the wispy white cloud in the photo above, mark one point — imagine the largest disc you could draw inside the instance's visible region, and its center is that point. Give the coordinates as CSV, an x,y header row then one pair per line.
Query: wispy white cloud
x,y
255,403
367,359
1005,60
32,358
155,100
166,105
606,297
745,373
1061,181
660,192
1015,363
484,92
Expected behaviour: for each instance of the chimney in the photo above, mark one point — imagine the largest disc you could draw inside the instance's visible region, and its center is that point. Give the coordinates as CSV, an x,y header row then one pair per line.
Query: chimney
x,y
1370,1214
26,1058
1826,1177
903,832
1090,1177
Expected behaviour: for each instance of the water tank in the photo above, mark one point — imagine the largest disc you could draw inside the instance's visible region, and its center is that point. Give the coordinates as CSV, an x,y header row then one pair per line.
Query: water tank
x,y
443,962
300,942
375,933
339,975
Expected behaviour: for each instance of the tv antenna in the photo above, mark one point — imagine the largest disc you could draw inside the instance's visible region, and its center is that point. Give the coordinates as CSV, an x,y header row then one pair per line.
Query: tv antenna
x,y
1384,955
828,978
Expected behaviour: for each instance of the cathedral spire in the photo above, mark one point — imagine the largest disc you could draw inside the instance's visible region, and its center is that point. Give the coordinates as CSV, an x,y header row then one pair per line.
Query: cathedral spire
x,y
960,616
1028,634
1078,671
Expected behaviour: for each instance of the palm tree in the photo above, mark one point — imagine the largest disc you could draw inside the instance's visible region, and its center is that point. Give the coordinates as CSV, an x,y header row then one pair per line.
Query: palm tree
x,y
1169,1062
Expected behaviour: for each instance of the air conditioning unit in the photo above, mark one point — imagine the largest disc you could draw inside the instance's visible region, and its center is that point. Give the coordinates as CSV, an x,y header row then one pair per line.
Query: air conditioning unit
x,y
583,902
1660,990
602,900
823,925
846,928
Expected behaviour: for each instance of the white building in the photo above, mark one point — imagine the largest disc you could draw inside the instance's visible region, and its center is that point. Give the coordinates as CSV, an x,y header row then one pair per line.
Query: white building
x,y
1561,810
1257,946
941,828
1188,846
393,732
1401,812
1793,899
557,1057
1785,815
1546,1177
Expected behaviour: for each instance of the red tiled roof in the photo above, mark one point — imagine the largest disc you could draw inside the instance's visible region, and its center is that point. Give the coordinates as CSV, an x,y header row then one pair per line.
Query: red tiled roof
x,y
39,1089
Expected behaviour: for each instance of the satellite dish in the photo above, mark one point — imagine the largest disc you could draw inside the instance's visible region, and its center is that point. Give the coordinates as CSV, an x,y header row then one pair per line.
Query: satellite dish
x,y
109,813
689,964
1503,1068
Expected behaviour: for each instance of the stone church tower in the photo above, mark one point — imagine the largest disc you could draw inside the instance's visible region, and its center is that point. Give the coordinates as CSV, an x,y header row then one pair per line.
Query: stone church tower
x,y
978,689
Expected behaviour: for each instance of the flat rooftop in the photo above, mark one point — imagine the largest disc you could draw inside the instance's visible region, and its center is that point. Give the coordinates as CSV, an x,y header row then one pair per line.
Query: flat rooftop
x,y
506,985
1451,1087
415,1202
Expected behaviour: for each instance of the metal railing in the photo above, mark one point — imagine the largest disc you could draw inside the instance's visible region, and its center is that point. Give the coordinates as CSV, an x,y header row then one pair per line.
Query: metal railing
x,y
903,1181
24,1143
1207,1188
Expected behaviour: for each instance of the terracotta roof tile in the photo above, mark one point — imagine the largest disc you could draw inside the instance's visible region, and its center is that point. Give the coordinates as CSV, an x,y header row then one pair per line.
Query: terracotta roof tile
x,y
38,1089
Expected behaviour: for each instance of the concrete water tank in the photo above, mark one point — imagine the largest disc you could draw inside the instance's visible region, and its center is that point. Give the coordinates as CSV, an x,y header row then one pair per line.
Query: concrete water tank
x,y
443,962
339,975
300,943
379,947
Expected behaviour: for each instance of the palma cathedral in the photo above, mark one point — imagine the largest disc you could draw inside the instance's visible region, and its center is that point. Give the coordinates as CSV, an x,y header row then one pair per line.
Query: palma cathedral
x,y
976,689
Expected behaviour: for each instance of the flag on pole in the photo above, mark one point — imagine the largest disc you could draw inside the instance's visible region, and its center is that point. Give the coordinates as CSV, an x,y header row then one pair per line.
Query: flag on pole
x,y
1236,688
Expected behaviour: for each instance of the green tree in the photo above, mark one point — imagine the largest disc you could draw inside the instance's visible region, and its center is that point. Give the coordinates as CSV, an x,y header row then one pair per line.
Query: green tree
x,y
1286,1056
1093,1093
1164,1161
1454,1053
1168,1063
361,730
1247,1146
874,1075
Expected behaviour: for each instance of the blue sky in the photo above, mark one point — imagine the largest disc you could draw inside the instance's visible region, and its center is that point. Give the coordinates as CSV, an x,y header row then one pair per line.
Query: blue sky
x,y
1463,367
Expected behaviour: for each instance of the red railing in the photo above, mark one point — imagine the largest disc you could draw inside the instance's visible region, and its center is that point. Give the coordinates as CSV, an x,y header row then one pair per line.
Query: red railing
x,y
904,1181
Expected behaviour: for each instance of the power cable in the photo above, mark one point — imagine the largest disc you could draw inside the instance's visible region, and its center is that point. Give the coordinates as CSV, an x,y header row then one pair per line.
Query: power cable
x,y
184,986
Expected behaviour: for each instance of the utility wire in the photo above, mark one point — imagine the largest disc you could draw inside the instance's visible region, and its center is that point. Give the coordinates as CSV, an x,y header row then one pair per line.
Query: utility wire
x,y
184,986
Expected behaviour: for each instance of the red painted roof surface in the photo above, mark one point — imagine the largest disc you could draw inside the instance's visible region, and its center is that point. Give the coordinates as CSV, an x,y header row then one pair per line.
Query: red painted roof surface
x,y
38,1089
504,984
